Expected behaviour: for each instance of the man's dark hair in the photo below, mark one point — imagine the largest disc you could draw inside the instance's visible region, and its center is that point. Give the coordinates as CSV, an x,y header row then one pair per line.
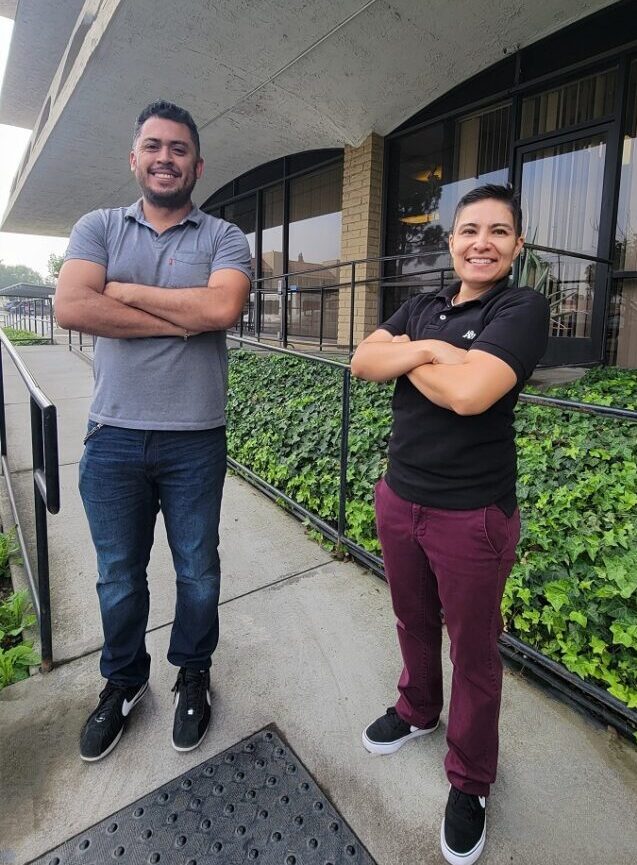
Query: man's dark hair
x,y
168,111
505,194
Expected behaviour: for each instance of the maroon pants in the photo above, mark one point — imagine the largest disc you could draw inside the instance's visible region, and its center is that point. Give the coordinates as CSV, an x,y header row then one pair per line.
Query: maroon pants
x,y
457,561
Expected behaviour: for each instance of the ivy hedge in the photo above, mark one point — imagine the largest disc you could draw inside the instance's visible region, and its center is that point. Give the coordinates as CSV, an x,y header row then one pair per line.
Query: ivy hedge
x,y
573,592
24,337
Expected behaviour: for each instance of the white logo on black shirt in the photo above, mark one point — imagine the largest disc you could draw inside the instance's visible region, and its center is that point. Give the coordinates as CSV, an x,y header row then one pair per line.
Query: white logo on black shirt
x,y
470,334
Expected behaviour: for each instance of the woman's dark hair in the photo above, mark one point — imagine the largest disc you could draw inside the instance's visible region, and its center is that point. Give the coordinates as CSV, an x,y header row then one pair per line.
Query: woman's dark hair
x,y
168,111
505,194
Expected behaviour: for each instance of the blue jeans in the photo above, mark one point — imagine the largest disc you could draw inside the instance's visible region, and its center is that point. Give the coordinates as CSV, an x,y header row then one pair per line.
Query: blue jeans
x,y
126,476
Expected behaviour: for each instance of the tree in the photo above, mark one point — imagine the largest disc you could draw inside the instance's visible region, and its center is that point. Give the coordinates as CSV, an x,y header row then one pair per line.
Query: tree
x,y
12,273
54,265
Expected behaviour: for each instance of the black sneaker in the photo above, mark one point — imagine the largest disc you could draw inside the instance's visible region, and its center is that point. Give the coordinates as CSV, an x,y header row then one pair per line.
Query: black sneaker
x,y
389,733
105,725
192,708
464,829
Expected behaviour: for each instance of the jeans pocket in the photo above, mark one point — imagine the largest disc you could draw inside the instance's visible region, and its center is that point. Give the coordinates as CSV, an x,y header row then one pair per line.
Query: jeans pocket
x,y
93,428
496,528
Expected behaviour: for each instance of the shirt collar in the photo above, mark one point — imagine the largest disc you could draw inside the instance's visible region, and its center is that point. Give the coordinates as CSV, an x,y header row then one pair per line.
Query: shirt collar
x,y
136,212
452,290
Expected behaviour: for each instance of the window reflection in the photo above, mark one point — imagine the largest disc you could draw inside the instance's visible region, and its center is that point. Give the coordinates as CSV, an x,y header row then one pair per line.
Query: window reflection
x,y
271,258
626,232
429,170
568,284
314,241
561,201
243,214
622,324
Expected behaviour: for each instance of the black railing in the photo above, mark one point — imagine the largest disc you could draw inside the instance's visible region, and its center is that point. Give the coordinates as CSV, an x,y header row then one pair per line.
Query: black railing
x,y
46,490
81,344
287,308
318,305
33,314
594,699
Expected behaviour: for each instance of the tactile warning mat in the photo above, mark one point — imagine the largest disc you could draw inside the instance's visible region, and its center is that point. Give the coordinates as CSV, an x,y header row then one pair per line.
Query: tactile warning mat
x,y
255,803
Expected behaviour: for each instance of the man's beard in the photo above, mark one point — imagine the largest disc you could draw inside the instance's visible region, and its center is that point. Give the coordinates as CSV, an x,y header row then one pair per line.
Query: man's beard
x,y
170,200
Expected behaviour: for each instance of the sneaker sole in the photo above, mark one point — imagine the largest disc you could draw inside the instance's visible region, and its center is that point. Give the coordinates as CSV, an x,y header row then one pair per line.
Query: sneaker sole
x,y
462,858
392,747
105,753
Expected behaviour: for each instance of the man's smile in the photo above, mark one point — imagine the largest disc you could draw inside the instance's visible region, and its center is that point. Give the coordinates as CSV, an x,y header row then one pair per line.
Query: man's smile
x,y
163,173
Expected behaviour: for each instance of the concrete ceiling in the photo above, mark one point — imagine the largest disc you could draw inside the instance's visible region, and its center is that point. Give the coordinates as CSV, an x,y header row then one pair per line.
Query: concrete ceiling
x,y
40,35
261,83
8,8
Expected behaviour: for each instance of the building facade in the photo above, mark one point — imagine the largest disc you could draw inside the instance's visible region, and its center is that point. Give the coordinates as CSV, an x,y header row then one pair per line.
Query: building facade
x,y
348,133
558,120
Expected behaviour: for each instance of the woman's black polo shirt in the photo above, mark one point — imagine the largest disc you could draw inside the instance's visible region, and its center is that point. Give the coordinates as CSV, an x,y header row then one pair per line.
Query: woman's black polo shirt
x,y
441,459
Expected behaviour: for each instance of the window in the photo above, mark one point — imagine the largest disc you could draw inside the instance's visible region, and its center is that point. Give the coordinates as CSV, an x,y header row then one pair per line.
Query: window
x,y
314,242
313,182
626,230
429,171
243,213
271,258
587,99
621,343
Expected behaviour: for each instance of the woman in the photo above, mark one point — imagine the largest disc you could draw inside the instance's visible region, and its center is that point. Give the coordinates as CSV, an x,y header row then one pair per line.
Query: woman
x,y
446,510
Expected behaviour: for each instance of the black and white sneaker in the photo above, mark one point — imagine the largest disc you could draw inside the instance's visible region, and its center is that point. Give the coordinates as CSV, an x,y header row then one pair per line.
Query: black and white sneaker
x,y
192,708
464,828
104,727
389,733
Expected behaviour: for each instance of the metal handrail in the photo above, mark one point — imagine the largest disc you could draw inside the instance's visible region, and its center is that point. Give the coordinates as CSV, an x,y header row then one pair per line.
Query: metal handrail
x,y
23,319
281,285
46,490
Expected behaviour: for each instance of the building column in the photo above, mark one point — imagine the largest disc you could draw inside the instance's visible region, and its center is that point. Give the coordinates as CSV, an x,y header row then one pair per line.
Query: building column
x,y
360,236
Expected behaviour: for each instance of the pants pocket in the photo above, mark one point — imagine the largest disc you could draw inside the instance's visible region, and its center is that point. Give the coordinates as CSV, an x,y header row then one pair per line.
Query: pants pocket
x,y
496,528
93,428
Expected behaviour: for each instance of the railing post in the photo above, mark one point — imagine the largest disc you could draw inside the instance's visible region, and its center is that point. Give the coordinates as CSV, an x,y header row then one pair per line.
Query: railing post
x,y
51,320
321,317
3,421
41,537
351,308
284,306
342,495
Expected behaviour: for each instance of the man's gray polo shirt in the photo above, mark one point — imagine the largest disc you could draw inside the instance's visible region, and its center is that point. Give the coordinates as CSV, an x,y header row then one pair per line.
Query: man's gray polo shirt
x,y
160,383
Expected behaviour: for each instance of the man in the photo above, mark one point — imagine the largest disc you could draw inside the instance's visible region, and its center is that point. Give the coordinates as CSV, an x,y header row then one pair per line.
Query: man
x,y
157,283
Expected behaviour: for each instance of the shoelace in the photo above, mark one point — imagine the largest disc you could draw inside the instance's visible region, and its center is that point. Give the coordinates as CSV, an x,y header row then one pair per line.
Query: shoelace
x,y
107,696
194,689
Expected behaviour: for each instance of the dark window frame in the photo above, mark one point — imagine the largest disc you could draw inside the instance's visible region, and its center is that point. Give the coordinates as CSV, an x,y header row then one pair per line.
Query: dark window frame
x,y
285,178
620,58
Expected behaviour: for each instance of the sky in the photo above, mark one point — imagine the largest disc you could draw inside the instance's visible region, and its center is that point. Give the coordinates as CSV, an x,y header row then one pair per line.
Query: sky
x,y
29,249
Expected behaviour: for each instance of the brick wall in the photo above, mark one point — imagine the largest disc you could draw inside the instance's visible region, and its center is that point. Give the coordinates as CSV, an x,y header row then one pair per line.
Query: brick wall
x,y
360,235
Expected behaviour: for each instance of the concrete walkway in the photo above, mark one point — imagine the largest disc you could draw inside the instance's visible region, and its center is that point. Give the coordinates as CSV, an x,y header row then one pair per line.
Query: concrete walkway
x,y
307,643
